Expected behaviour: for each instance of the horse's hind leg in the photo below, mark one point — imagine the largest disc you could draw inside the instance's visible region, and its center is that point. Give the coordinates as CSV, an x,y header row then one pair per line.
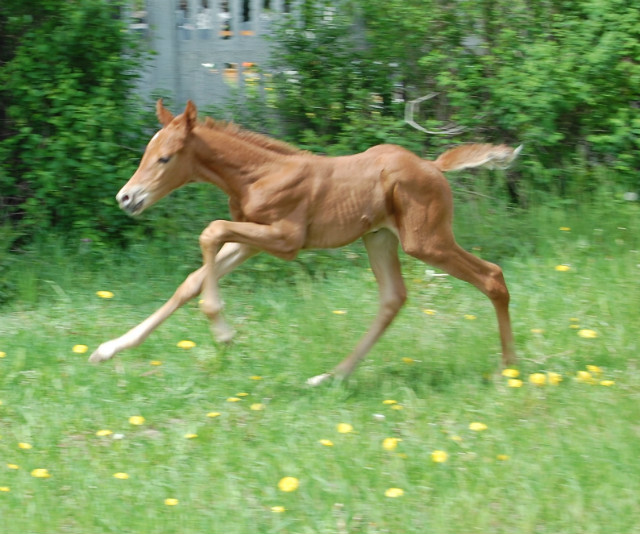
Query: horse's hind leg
x,y
229,257
440,250
382,248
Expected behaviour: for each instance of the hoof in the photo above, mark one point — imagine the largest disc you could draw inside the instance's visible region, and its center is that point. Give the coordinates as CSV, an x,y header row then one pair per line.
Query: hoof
x,y
225,337
222,332
317,380
104,352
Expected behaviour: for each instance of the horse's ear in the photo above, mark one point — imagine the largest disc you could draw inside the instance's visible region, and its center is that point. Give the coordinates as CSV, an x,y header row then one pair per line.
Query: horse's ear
x,y
191,115
163,114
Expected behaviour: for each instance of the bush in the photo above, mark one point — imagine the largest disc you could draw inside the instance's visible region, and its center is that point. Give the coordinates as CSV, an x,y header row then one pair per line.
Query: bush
x,y
71,134
560,77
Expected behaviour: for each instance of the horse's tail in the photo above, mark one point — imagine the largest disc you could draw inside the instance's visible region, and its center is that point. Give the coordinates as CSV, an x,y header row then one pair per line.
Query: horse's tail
x,y
477,155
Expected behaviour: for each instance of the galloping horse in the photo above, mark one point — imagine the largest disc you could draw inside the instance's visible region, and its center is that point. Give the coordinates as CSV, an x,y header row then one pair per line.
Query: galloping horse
x,y
283,200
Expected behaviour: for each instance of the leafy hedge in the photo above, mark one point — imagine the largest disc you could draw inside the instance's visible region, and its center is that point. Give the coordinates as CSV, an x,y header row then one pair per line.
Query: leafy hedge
x,y
560,76
70,133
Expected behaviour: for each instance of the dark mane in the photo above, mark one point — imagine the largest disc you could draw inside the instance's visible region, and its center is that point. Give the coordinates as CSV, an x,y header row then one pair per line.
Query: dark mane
x,y
261,140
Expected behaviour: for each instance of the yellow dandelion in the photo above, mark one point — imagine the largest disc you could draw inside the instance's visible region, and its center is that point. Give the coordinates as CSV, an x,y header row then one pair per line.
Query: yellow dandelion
x,y
585,377
574,326
429,312
255,377
105,294
538,379
121,476
3,354
470,317
587,333
439,457
564,229
344,428
554,378
397,407
514,383
80,349
326,442
339,312
457,439
477,427
607,383
171,501
13,466
537,331
393,493
25,446
136,420
191,436
502,457
511,373
40,473
233,399
242,394
278,509
155,362
390,444
408,361
213,414
185,344
562,268
257,406
288,484
389,401
5,489
594,370
103,433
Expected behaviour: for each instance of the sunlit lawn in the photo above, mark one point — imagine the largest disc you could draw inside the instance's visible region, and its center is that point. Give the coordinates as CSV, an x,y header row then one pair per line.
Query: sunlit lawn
x,y
427,436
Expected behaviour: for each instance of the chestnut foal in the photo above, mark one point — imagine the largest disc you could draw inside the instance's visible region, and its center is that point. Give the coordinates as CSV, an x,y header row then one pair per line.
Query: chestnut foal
x,y
283,200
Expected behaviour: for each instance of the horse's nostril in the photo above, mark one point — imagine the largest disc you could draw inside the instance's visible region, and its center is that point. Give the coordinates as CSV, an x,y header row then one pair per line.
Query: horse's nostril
x,y
125,199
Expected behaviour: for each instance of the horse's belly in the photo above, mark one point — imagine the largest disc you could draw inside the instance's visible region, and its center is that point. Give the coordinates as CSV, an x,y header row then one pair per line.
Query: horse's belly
x,y
345,220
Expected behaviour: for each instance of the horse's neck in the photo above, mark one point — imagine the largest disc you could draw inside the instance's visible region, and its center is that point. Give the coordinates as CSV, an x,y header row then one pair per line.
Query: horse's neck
x,y
230,162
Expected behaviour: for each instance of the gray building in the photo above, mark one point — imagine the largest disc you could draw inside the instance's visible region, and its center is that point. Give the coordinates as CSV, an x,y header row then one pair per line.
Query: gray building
x,y
204,48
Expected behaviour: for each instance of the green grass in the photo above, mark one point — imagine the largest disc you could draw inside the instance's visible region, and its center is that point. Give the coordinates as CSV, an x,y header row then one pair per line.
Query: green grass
x,y
553,458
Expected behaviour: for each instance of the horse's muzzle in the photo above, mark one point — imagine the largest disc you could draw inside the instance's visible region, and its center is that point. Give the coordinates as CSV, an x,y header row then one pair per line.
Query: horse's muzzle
x,y
131,201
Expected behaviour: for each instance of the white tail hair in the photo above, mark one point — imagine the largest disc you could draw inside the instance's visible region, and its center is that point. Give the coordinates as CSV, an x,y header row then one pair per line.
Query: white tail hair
x,y
477,155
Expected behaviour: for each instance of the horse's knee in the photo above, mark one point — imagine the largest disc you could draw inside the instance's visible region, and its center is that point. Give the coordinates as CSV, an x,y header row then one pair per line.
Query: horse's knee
x,y
192,286
391,303
399,298
212,235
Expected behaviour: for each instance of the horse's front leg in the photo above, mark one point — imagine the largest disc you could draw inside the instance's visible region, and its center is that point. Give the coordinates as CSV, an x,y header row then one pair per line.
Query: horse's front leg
x,y
229,257
282,240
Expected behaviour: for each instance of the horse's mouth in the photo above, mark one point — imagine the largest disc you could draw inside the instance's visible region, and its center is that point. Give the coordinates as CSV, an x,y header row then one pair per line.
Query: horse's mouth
x,y
134,209
137,208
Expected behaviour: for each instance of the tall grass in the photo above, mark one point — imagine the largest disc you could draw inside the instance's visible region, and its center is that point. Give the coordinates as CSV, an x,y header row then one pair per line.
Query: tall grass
x,y
553,458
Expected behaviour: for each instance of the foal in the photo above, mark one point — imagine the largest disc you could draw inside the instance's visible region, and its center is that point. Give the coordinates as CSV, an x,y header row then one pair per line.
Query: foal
x,y
283,200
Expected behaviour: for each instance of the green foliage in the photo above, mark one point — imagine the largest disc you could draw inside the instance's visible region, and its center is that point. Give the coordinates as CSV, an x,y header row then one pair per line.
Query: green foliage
x,y
560,77
330,92
71,134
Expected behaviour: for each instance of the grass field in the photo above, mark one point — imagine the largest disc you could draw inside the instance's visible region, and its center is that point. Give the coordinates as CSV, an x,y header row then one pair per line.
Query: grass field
x,y
216,430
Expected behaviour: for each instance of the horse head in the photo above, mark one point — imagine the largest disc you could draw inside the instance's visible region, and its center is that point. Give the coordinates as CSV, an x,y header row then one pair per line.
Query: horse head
x,y
166,164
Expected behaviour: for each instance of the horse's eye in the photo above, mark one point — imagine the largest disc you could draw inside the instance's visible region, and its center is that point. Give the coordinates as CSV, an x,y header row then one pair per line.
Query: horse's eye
x,y
164,159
